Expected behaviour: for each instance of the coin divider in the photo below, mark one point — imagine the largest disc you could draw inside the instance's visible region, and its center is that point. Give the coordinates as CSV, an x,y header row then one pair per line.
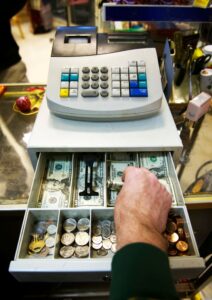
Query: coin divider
x,y
39,177
113,156
32,217
75,213
75,177
100,215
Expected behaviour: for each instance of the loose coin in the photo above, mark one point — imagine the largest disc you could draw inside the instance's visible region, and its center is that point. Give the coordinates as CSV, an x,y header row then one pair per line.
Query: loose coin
x,y
82,238
102,252
97,239
179,221
67,238
114,247
69,225
97,230
113,238
181,233
50,242
173,238
40,228
172,251
44,252
96,246
83,224
51,229
67,251
106,244
182,246
82,251
171,227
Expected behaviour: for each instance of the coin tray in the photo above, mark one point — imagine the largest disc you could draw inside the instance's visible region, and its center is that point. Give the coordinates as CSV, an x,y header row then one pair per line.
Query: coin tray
x,y
32,217
64,215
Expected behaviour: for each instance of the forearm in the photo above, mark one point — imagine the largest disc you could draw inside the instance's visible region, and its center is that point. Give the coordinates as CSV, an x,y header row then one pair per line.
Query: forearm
x,y
141,270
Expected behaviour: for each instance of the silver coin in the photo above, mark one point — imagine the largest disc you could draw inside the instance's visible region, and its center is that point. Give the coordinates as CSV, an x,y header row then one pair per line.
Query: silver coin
x,y
106,223
40,228
102,252
114,247
83,224
67,251
82,251
97,239
96,246
107,244
106,232
67,238
69,225
82,238
97,230
50,242
113,238
51,251
51,229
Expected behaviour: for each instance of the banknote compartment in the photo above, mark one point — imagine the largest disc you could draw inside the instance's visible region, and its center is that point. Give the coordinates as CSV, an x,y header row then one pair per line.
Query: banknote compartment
x,y
98,216
33,219
52,191
161,165
76,214
90,192
116,163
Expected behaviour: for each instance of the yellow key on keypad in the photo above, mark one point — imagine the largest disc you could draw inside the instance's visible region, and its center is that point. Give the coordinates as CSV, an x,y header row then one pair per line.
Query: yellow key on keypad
x,y
63,93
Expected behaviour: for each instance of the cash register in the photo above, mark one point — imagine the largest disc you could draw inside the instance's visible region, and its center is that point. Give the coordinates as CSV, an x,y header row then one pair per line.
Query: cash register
x,y
104,110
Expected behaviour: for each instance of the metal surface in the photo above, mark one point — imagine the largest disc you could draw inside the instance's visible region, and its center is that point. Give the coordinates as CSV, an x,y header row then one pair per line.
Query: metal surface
x,y
16,171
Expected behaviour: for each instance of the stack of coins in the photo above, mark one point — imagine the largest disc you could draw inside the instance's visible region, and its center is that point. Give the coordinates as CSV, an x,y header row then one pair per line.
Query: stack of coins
x,y
42,243
103,237
176,236
75,238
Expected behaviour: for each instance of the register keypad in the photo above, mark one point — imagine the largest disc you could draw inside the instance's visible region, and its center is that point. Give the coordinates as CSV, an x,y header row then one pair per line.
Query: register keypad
x,y
94,81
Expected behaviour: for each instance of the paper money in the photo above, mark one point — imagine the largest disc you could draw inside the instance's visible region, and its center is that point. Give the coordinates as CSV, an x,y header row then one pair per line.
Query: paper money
x,y
116,172
157,163
97,184
56,182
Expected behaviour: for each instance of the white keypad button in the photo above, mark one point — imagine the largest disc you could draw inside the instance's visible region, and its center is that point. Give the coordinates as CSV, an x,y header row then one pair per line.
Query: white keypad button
x,y
124,76
115,77
133,76
141,63
115,84
73,92
125,84
125,92
124,70
132,63
73,85
116,93
115,70
132,70
141,69
65,70
64,84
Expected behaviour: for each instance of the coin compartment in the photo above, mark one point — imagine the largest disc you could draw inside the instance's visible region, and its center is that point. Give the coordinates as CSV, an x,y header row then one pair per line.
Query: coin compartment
x,y
32,219
97,161
97,216
115,165
76,214
181,211
56,188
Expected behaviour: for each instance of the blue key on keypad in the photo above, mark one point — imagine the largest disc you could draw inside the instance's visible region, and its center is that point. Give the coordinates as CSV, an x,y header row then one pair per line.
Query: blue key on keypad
x,y
74,77
142,84
142,76
133,83
64,77
138,93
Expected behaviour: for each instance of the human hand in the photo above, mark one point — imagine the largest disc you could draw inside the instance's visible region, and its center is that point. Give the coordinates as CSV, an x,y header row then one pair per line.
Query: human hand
x,y
141,209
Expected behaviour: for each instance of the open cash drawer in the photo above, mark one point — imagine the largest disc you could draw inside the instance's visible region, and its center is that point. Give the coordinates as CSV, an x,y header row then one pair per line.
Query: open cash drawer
x,y
68,231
